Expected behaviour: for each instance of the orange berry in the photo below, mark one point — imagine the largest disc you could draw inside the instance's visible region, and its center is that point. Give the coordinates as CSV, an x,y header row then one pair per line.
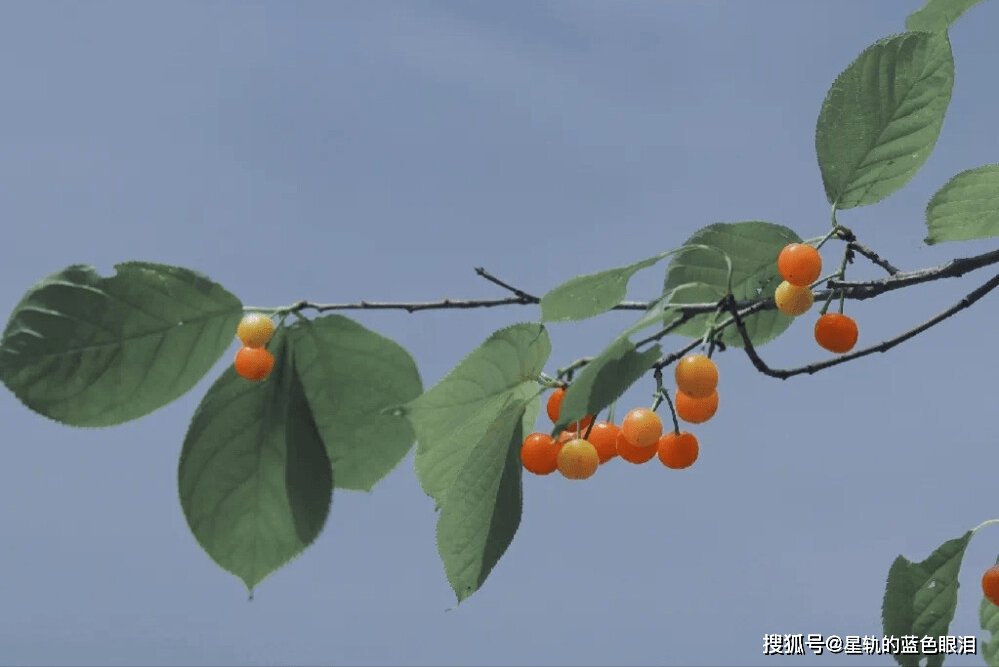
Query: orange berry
x,y
696,410
254,363
603,436
799,264
836,332
539,454
678,450
793,300
255,330
555,406
578,459
642,427
633,454
990,584
696,375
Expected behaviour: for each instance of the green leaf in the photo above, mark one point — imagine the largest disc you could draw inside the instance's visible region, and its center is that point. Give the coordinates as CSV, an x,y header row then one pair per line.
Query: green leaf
x,y
453,416
481,511
882,116
988,617
938,15
604,380
590,295
255,482
350,375
91,351
967,207
920,598
753,248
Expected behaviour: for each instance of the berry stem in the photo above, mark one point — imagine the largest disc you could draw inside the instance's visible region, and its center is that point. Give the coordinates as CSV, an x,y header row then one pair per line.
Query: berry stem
x,y
841,274
267,311
661,394
832,232
672,410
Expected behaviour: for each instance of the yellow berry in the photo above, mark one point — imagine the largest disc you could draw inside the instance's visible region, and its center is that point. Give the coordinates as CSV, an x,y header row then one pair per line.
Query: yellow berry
x,y
255,330
793,300
578,459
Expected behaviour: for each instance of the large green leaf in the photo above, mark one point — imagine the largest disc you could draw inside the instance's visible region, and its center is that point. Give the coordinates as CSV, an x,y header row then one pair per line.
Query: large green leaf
x,y
255,482
92,351
920,598
604,380
350,375
882,116
591,294
967,207
453,416
481,511
988,618
938,15
753,248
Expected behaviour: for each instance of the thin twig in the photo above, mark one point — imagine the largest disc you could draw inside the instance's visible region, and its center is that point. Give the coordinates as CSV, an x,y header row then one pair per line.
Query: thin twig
x,y
517,292
874,257
669,328
443,304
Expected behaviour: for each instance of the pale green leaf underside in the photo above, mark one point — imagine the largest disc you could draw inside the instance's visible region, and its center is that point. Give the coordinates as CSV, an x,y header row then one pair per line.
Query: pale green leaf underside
x,y
481,511
920,598
882,117
87,350
350,375
255,482
938,15
591,294
453,416
967,207
753,248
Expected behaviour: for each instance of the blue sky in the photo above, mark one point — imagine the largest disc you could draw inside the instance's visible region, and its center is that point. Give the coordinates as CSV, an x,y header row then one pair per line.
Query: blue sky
x,y
340,151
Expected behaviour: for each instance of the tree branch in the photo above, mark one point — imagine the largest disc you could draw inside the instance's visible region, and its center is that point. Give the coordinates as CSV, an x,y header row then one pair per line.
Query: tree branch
x,y
851,290
883,346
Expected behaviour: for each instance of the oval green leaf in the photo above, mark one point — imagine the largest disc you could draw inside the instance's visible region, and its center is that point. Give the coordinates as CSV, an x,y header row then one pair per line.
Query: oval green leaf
x,y
591,294
86,350
350,375
920,598
882,116
453,416
481,512
753,248
967,207
255,482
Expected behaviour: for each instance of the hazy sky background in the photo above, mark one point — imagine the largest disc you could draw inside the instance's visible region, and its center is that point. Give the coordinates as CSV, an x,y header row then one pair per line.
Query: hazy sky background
x,y
340,151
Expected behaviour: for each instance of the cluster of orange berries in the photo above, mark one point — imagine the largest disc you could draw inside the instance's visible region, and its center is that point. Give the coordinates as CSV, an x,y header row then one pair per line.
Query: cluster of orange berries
x,y
254,361
800,265
638,439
